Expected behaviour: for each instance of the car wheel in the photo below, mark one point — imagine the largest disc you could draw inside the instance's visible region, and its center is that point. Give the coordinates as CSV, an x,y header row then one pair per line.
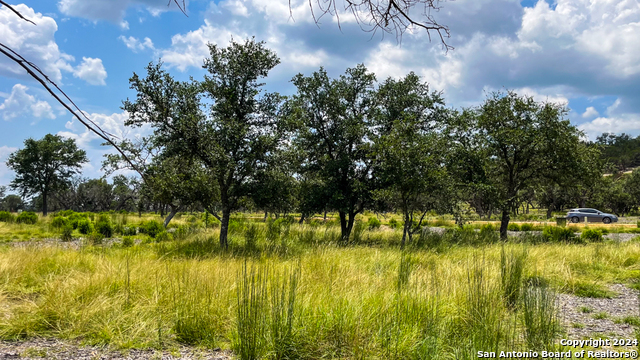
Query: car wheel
x,y
575,219
606,220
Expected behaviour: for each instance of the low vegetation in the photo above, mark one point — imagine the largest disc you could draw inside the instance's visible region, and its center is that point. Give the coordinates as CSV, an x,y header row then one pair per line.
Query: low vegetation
x,y
283,290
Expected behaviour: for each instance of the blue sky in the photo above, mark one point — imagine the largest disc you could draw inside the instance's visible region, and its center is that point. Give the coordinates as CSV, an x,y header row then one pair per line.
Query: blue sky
x,y
585,53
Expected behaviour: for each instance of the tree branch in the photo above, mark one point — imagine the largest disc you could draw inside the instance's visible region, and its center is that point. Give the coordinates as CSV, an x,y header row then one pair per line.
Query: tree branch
x,y
16,12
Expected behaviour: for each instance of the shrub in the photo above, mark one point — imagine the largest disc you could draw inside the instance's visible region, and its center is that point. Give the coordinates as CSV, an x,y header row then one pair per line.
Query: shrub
x,y
592,235
104,227
526,227
251,236
59,222
96,238
127,241
129,230
74,219
373,223
274,229
163,236
66,232
27,217
487,228
513,227
85,226
151,228
393,223
559,234
118,228
66,213
288,220
6,216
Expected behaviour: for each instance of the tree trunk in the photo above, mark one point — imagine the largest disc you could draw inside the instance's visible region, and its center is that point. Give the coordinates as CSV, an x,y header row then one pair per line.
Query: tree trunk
x,y
346,225
224,228
405,230
174,211
44,203
266,213
325,216
504,223
301,219
549,211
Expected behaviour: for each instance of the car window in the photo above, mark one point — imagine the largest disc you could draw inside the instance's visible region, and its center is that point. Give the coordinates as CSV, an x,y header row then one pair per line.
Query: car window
x,y
588,211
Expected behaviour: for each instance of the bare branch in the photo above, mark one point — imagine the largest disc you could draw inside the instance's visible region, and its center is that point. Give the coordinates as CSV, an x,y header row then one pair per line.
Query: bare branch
x,y
182,8
44,80
388,16
16,12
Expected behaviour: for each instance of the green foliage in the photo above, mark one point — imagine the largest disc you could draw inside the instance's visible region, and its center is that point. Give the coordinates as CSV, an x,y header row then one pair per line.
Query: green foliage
x,y
104,227
127,241
85,226
394,224
45,165
66,232
163,236
358,231
486,228
96,238
74,218
526,227
559,234
129,230
536,135
513,227
373,223
7,217
540,317
274,229
66,213
511,273
27,217
335,137
631,320
60,221
488,233
251,235
251,343
591,290
151,228
591,235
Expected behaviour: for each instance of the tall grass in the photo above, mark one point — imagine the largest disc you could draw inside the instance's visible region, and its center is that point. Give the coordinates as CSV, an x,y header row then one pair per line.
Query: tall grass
x,y
251,343
318,299
511,274
540,317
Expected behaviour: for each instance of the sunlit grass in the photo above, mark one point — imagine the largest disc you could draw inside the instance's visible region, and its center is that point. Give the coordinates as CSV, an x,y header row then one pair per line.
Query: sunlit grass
x,y
366,300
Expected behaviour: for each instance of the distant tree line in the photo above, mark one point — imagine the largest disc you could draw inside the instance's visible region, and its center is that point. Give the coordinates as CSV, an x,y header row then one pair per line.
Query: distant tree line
x,y
344,145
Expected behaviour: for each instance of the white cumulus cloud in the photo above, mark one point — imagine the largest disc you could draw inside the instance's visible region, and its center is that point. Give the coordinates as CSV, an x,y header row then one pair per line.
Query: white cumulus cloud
x,y
91,70
136,45
35,43
20,103
590,112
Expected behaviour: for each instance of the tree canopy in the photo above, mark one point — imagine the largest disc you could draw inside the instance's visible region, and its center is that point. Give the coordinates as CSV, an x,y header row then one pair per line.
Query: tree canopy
x,y
45,165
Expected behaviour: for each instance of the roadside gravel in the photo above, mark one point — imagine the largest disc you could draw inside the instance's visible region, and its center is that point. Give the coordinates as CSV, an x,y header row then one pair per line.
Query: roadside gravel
x,y
589,317
61,350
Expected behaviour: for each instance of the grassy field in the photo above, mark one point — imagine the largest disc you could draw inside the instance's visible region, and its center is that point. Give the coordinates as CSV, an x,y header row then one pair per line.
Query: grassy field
x,y
290,291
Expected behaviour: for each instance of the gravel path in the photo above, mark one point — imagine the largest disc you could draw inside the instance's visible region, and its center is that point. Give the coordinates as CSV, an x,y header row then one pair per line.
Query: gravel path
x,y
60,350
586,317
